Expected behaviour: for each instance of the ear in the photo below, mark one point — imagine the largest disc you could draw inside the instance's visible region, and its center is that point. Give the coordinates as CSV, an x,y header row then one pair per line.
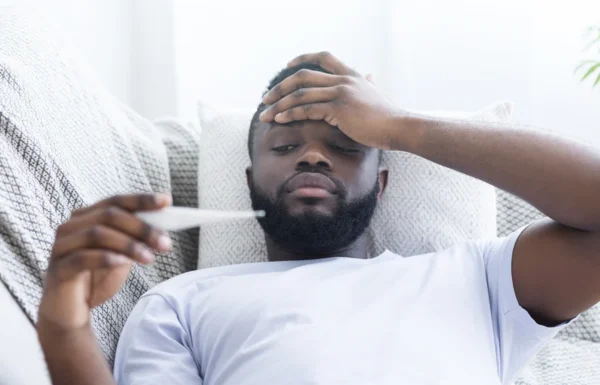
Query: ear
x,y
249,177
382,179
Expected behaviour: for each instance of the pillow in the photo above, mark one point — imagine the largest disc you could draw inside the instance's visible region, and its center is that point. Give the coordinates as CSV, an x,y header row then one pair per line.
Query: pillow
x,y
65,142
425,208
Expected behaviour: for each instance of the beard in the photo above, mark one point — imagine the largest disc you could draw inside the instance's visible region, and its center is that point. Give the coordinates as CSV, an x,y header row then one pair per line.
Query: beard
x,y
310,234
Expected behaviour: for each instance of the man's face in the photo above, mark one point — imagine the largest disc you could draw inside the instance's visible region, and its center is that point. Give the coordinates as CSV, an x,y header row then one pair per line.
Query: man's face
x,y
318,187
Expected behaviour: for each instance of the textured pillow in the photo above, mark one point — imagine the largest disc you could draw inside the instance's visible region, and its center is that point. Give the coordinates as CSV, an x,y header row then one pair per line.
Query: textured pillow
x,y
65,142
425,208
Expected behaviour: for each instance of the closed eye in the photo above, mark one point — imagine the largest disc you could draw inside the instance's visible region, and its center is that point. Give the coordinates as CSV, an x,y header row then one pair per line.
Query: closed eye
x,y
284,149
344,150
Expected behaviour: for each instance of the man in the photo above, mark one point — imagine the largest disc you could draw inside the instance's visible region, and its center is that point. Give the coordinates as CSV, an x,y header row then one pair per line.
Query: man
x,y
320,312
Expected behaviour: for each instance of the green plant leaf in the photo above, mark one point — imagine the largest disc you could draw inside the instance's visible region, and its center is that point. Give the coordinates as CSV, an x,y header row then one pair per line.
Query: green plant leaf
x,y
591,71
597,81
583,64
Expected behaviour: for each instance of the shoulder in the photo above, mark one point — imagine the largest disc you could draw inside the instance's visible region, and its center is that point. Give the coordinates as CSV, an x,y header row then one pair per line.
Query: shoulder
x,y
181,283
177,287
465,258
483,250
463,251
169,300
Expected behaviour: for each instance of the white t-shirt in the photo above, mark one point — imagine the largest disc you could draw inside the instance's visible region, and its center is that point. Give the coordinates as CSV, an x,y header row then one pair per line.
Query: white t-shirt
x,y
444,318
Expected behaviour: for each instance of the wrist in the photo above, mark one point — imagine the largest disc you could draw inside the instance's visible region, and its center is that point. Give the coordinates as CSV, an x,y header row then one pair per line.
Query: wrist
x,y
72,354
404,131
50,333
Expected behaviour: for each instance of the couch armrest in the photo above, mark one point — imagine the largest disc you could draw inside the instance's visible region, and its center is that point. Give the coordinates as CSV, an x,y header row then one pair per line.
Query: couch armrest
x,y
21,358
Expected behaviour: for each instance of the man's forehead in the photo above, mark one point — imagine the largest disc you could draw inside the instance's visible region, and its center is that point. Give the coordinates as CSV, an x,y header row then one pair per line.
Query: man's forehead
x,y
275,127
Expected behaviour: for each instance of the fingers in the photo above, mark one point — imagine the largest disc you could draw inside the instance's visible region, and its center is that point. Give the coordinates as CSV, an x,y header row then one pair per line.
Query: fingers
x,y
102,237
118,219
301,80
325,60
311,111
111,225
302,96
87,259
132,202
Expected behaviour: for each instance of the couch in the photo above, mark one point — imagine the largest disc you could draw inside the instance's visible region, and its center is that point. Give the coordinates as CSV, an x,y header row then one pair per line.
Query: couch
x,y
65,142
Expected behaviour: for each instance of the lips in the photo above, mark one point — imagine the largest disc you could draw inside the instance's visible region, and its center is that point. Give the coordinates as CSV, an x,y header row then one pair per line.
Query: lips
x,y
310,180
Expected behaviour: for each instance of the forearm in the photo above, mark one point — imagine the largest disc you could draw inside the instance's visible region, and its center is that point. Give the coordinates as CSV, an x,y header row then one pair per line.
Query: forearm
x,y
73,358
558,176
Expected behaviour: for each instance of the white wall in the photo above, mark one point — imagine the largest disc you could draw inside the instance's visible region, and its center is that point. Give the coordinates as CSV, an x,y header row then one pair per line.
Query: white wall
x,y
460,54
228,51
427,54
558,102
161,56
154,75
102,32
129,45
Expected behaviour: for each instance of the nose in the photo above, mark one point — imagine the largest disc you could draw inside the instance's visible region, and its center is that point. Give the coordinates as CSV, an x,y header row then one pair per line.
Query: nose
x,y
314,156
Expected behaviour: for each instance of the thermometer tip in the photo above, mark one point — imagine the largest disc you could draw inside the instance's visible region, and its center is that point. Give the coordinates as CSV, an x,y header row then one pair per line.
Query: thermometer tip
x,y
260,213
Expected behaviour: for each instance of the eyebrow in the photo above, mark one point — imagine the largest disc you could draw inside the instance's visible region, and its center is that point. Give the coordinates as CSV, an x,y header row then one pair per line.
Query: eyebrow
x,y
274,127
295,125
299,124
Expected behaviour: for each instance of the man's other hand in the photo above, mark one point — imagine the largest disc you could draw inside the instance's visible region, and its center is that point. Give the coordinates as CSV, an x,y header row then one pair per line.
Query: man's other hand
x,y
92,255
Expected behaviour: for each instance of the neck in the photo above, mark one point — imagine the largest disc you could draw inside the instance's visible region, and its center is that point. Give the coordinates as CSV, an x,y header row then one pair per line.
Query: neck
x,y
357,249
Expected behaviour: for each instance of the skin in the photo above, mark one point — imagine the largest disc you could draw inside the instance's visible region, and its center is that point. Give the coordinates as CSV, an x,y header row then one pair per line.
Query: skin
x,y
556,261
90,260
281,151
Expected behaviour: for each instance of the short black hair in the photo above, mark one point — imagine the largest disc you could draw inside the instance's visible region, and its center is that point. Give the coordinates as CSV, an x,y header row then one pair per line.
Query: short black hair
x,y
282,75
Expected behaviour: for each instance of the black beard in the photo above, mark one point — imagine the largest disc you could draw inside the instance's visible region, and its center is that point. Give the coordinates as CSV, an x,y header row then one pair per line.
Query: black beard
x,y
314,235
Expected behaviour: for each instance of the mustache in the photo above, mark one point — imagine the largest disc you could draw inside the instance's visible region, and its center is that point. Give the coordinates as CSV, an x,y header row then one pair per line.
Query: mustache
x,y
340,187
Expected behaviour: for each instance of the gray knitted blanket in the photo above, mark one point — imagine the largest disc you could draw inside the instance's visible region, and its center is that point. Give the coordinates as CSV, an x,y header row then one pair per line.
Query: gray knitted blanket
x,y
65,143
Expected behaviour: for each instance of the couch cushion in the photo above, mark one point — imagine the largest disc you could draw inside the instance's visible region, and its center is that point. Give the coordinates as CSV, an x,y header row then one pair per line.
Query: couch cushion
x,y
426,207
65,142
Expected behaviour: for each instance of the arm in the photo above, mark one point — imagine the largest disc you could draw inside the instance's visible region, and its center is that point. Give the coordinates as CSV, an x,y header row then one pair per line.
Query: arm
x,y
73,356
560,177
556,262
90,260
155,347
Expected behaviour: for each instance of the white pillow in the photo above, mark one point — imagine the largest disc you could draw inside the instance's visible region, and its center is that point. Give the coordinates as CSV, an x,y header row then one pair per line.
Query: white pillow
x,y
426,207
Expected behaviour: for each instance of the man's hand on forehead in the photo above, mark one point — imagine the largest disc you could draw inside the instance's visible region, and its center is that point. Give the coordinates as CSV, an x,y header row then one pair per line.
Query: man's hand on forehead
x,y
343,98
307,78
